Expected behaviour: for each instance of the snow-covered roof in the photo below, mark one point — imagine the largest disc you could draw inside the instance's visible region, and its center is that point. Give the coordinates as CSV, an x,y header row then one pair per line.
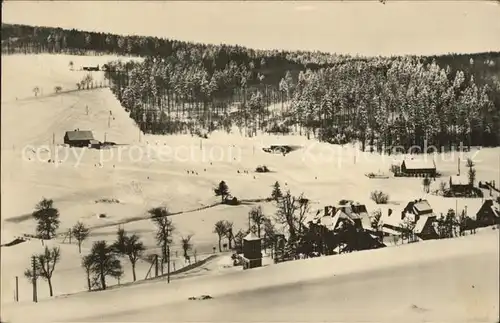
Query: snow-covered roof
x,y
422,205
393,220
251,237
421,163
459,180
390,231
419,226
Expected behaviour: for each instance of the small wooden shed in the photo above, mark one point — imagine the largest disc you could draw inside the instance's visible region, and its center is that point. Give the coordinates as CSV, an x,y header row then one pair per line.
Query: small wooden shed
x,y
252,251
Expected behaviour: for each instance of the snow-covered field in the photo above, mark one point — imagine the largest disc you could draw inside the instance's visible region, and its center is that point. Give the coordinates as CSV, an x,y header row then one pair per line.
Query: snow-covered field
x,y
149,171
454,280
22,73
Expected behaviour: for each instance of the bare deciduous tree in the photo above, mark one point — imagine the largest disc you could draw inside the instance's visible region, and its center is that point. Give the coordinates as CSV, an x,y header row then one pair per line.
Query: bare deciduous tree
x,y
291,213
221,230
164,228
45,264
186,245
257,217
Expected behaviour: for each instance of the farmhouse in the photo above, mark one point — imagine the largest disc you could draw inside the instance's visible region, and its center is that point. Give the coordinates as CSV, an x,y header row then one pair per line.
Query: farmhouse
x,y
460,184
354,213
418,167
415,209
488,214
417,213
79,138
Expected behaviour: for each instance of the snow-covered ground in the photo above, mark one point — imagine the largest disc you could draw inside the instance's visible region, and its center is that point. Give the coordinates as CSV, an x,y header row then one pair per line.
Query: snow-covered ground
x,y
180,172
453,280
22,73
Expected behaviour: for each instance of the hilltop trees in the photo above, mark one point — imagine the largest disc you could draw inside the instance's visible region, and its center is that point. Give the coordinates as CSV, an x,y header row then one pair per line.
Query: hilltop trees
x,y
47,217
276,194
222,190
164,229
45,264
81,233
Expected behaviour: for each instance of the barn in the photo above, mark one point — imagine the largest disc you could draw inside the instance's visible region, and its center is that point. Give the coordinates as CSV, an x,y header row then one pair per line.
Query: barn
x,y
80,138
488,214
419,167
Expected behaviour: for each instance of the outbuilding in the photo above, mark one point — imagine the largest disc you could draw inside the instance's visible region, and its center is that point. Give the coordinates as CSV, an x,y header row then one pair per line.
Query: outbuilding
x,y
79,138
460,184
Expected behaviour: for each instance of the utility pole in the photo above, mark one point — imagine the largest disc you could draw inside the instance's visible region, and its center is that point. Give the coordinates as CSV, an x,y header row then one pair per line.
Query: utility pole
x,y
34,278
104,137
17,289
458,166
87,109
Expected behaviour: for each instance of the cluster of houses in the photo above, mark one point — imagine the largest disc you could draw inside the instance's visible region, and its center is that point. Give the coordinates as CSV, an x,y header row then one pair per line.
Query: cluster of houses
x,y
416,216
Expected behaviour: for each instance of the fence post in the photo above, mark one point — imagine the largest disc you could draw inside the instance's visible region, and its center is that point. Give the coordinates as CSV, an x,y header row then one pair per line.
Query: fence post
x,y
33,268
156,265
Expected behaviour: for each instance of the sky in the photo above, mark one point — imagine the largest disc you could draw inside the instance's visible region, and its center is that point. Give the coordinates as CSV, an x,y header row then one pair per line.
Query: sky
x,y
366,28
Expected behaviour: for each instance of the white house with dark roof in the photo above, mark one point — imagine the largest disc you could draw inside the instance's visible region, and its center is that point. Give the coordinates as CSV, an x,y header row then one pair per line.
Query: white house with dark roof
x,y
417,212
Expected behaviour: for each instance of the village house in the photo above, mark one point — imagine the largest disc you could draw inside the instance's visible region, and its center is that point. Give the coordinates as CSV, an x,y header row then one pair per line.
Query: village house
x,y
417,214
352,212
488,214
350,215
460,184
418,167
80,138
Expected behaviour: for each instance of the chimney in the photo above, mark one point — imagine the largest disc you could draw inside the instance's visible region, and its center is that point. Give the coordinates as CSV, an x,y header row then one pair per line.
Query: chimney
x,y
327,210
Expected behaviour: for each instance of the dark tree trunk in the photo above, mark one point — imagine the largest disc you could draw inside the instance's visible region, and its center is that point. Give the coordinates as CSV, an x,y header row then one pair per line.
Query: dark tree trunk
x,y
133,271
103,281
51,292
89,285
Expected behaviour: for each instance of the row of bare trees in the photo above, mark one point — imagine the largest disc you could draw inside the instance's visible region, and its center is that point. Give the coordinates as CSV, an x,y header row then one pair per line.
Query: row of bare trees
x,y
103,259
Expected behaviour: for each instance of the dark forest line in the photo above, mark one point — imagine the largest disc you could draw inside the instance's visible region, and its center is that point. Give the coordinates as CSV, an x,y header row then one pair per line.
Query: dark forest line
x,y
382,101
